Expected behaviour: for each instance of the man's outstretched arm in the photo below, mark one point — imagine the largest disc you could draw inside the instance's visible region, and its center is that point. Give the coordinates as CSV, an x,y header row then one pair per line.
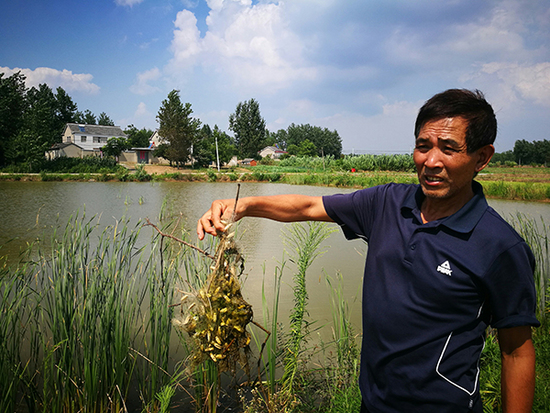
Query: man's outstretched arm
x,y
517,370
284,208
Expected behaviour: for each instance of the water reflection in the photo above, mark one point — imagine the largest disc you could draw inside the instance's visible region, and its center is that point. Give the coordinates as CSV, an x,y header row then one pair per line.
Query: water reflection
x,y
34,209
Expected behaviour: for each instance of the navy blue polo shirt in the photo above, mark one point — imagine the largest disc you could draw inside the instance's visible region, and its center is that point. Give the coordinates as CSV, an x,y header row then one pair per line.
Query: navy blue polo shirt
x,y
429,292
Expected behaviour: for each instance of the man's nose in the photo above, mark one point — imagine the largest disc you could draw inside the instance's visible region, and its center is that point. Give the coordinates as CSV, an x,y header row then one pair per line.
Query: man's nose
x,y
434,159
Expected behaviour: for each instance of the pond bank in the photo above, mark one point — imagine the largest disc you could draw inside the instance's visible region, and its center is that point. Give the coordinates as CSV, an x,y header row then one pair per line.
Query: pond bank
x,y
517,189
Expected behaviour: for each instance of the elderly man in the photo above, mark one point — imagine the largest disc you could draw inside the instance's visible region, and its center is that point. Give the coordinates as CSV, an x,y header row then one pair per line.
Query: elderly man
x,y
441,266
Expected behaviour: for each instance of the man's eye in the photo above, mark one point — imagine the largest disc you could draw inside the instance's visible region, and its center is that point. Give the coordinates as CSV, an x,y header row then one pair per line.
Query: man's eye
x,y
450,149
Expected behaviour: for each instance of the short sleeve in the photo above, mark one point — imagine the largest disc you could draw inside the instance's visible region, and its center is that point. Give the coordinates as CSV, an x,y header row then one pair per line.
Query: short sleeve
x,y
353,211
511,288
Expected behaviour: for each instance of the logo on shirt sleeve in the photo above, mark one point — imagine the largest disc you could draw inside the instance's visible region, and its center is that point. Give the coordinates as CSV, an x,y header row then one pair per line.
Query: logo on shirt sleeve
x,y
445,268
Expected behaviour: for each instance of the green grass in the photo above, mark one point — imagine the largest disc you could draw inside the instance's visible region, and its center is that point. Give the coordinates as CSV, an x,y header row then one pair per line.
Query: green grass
x,y
87,327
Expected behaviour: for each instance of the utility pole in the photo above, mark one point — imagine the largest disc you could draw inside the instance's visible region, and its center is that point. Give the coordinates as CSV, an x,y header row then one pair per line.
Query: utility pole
x,y
217,155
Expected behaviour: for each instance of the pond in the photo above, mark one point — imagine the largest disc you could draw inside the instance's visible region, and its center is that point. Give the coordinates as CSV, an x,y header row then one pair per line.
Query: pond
x,y
33,209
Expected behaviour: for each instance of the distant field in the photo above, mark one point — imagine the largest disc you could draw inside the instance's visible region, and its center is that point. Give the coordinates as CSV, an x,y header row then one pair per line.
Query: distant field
x,y
517,174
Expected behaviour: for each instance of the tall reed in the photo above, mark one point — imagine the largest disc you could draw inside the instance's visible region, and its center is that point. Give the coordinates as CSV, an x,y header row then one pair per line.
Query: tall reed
x,y
535,233
304,241
16,314
89,313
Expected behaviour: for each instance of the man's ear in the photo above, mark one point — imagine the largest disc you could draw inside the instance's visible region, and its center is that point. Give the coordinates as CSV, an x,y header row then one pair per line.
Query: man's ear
x,y
484,156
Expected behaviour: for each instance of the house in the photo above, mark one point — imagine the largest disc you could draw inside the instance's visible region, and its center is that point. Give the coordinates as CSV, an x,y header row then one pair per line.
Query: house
x,y
249,162
272,151
79,140
90,137
61,150
155,140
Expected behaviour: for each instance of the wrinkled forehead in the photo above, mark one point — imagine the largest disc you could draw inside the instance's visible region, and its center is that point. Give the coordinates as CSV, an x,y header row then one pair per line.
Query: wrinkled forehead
x,y
445,128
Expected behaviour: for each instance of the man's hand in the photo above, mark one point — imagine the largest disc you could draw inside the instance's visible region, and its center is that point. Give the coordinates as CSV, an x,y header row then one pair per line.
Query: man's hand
x,y
211,221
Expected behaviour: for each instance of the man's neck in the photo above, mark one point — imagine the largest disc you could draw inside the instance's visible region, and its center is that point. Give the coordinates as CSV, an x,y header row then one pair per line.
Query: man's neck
x,y
433,209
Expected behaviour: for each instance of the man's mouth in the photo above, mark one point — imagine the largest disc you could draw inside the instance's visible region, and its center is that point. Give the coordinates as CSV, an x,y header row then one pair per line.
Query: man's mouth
x,y
433,179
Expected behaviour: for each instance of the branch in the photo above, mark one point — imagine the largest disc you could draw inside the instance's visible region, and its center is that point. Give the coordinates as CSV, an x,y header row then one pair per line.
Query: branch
x,y
149,223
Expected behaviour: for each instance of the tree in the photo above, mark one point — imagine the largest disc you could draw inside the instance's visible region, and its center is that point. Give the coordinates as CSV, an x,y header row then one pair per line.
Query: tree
x,y
87,118
66,108
115,146
12,109
178,128
105,120
204,152
138,138
327,142
41,127
249,129
524,152
307,148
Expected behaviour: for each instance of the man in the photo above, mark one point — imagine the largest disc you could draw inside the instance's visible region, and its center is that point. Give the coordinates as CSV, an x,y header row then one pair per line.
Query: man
x,y
441,266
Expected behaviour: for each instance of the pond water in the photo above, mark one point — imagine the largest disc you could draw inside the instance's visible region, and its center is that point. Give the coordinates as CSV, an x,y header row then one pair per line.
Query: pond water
x,y
30,210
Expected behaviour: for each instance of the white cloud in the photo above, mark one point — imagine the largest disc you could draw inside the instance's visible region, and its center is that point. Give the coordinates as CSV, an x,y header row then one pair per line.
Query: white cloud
x,y
530,82
129,3
186,43
71,82
142,117
142,86
246,45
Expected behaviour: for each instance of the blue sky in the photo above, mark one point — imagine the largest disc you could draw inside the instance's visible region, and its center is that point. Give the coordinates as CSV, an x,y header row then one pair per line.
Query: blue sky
x,y
360,67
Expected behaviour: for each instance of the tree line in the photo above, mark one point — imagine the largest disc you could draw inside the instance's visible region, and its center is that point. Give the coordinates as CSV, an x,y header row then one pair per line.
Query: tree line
x,y
185,138
525,153
33,119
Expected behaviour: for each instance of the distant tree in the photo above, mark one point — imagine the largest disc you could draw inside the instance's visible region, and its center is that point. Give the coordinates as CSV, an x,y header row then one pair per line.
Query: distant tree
x,y
115,146
542,151
31,120
41,127
502,157
138,138
326,141
12,109
524,152
293,149
88,118
278,139
178,128
307,148
204,152
105,120
249,128
66,108
226,146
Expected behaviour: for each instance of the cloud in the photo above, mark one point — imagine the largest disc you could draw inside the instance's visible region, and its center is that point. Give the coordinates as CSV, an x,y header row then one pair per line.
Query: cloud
x,y
71,82
128,3
247,45
142,86
142,117
529,82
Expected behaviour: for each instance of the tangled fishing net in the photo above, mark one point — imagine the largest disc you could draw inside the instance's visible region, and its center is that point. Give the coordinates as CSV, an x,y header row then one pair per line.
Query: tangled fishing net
x,y
216,316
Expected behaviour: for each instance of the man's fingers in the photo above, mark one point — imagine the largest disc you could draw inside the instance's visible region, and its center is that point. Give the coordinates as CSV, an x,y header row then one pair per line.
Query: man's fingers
x,y
211,222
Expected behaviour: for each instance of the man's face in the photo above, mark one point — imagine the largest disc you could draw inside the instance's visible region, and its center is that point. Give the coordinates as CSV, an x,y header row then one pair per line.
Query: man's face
x,y
445,168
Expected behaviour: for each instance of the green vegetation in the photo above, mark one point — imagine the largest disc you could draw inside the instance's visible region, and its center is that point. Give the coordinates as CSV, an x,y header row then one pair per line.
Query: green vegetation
x,y
178,128
89,164
86,325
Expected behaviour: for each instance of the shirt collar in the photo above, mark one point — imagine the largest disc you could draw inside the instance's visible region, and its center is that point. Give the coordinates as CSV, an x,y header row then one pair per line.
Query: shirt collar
x,y
464,220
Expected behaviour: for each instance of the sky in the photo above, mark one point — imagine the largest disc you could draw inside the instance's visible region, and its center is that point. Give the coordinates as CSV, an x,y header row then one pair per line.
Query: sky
x,y
360,67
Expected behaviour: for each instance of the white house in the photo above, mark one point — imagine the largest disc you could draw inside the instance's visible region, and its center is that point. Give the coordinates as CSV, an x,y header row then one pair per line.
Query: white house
x,y
90,138
272,151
